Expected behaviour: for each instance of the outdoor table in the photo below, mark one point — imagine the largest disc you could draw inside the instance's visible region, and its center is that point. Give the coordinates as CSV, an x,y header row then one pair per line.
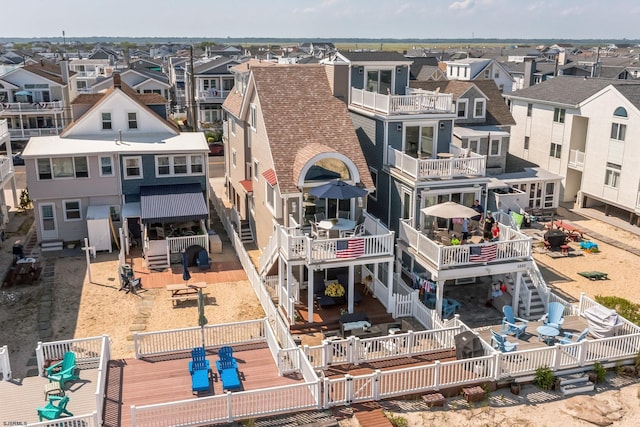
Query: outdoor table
x,y
547,334
341,224
183,292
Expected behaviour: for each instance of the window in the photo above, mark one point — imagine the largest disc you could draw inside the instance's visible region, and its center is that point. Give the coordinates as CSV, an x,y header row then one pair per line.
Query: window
x,y
133,167
556,150
114,212
252,116
179,165
558,115
106,166
270,195
81,167
233,125
494,147
133,120
44,169
526,142
374,177
496,75
419,141
471,144
72,210
487,73
478,108
379,81
462,108
106,121
620,112
256,164
549,190
233,157
529,109
612,175
618,131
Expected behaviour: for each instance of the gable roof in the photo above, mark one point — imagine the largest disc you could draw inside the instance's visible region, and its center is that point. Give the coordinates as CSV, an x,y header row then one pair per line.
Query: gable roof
x,y
419,64
303,112
377,56
48,70
497,112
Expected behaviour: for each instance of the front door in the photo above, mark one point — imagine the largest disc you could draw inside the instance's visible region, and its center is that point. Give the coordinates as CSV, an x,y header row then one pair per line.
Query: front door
x,y
48,221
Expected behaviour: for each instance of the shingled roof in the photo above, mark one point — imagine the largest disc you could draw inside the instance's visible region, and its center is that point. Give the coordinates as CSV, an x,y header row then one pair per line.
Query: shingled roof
x,y
48,70
301,115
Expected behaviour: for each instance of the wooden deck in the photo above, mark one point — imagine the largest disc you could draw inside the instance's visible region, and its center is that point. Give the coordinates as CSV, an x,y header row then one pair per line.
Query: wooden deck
x,y
530,340
166,379
20,399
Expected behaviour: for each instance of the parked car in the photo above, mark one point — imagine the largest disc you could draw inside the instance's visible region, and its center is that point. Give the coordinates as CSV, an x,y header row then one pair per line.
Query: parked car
x,y
216,149
18,160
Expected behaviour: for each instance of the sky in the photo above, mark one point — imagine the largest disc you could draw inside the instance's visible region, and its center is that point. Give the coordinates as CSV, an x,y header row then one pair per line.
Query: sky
x,y
397,19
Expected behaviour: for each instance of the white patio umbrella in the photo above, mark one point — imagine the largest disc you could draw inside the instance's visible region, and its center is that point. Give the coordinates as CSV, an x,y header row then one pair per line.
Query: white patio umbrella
x,y
449,210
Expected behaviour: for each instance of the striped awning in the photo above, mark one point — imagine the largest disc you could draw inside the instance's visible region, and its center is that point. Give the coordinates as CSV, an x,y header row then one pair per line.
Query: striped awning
x,y
172,203
270,176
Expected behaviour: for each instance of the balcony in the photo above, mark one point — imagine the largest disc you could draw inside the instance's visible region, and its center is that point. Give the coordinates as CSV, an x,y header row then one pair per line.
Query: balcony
x,y
418,102
6,168
212,95
24,134
13,108
454,167
512,246
4,129
576,159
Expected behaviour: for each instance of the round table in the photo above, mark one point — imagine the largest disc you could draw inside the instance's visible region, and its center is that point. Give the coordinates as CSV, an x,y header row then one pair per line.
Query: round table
x,y
341,224
547,334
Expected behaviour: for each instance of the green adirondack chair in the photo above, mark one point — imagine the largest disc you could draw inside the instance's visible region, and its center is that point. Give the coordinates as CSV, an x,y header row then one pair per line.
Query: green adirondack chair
x,y
63,371
53,411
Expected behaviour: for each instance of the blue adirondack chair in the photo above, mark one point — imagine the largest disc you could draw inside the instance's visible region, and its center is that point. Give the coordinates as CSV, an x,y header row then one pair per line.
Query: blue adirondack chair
x,y
512,325
570,338
200,376
203,261
54,411
198,354
500,342
554,317
225,354
63,371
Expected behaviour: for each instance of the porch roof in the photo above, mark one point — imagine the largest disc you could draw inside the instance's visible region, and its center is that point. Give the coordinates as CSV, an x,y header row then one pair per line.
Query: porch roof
x,y
172,203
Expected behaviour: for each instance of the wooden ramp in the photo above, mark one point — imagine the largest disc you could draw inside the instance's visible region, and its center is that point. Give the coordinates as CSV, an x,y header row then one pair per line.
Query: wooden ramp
x,y
370,414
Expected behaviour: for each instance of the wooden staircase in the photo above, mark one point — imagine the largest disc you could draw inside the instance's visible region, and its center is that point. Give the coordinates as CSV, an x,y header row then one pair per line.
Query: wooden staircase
x,y
245,233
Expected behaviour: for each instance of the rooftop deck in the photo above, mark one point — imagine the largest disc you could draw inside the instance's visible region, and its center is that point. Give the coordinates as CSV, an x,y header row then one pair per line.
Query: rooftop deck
x,y
443,168
166,379
417,102
20,399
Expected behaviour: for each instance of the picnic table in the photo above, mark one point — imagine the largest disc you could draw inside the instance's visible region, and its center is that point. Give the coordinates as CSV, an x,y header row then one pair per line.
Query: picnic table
x,y
184,292
573,232
594,275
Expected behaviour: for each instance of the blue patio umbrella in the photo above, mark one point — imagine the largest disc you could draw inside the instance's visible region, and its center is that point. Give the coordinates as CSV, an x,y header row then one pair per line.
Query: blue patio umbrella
x,y
337,189
23,93
186,276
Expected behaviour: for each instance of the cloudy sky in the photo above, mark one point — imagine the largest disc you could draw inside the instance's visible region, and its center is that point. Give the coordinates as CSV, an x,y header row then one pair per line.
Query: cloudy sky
x,y
547,19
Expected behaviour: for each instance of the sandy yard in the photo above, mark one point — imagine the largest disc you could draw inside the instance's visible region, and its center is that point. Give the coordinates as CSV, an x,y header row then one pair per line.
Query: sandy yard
x,y
83,309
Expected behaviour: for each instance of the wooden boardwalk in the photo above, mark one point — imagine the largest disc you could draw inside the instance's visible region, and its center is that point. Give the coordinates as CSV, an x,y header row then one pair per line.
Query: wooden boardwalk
x,y
166,379
20,399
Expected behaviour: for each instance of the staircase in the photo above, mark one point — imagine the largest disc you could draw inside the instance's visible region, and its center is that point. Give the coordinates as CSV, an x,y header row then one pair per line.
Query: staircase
x,y
245,233
51,245
536,310
157,262
574,384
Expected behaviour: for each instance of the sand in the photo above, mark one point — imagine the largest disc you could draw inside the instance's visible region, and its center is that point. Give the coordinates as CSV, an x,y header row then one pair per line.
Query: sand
x,y
83,309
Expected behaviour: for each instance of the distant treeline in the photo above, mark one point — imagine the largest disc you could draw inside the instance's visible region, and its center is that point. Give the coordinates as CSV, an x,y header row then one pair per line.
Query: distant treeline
x,y
283,41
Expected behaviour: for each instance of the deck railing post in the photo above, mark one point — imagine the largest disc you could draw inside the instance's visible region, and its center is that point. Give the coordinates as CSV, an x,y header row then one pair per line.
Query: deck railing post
x,y
376,384
135,345
40,359
348,392
557,356
497,365
327,389
437,366
584,348
411,337
133,415
229,407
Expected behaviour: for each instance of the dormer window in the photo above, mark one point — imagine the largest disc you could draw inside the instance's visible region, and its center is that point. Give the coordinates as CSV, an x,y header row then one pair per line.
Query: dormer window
x,y
479,109
462,108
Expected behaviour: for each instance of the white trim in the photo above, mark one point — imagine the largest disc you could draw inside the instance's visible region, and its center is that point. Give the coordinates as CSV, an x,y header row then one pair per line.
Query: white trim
x,y
113,172
353,169
172,165
369,68
499,141
65,210
110,121
51,234
124,167
466,108
484,108
253,117
137,128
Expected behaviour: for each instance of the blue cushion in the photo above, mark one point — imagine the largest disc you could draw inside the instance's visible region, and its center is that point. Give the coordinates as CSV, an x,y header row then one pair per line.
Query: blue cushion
x,y
200,380
230,379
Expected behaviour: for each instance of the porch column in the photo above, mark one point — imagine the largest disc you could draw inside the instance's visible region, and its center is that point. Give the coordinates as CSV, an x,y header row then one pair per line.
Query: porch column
x,y
389,285
350,286
516,293
439,296
310,296
289,280
281,278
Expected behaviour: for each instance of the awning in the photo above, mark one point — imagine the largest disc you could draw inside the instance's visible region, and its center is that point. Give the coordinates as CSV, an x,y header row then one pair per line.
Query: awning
x,y
172,203
270,176
247,184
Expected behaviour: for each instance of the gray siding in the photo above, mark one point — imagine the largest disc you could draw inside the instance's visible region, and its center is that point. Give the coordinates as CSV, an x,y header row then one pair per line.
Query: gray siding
x,y
357,78
402,80
444,136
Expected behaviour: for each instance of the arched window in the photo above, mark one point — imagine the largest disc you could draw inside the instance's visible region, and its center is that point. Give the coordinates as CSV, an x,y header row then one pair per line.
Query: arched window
x,y
620,112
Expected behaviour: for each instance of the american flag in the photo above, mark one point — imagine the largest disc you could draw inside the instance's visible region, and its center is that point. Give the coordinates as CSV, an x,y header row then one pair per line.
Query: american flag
x,y
351,248
483,253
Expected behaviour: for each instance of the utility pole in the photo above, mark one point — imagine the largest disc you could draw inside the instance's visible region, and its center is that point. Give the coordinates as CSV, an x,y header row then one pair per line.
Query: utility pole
x,y
192,92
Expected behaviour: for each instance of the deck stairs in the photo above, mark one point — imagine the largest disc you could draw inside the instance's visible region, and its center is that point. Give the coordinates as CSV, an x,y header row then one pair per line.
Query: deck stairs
x,y
537,308
157,262
245,232
574,384
51,245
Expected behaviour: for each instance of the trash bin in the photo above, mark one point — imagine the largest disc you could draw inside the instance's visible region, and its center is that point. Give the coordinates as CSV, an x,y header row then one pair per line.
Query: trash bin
x,y
215,244
468,345
127,271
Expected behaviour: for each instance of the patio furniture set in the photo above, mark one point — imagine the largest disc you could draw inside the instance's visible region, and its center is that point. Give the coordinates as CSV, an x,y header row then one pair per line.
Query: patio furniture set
x,y
330,292
226,367
547,332
58,374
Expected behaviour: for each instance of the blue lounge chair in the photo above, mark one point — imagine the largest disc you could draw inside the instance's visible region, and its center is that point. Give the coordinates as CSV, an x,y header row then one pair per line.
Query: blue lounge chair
x,y
225,354
63,371
554,317
500,342
198,354
53,411
200,377
203,261
512,325
229,375
570,338
449,307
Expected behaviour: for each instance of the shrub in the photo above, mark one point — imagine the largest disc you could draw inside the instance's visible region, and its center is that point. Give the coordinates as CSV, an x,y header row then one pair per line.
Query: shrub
x,y
600,371
397,420
544,378
624,307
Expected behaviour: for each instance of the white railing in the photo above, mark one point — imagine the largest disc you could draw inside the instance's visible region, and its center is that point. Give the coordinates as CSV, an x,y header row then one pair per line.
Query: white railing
x,y
229,407
5,363
103,372
6,168
459,255
28,133
269,253
179,244
336,249
576,159
216,94
586,303
416,102
181,340
4,128
22,107
90,420
437,168
87,351
526,295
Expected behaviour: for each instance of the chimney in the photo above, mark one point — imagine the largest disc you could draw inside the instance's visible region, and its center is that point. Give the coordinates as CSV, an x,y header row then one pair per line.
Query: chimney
x,y
64,71
529,70
116,80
